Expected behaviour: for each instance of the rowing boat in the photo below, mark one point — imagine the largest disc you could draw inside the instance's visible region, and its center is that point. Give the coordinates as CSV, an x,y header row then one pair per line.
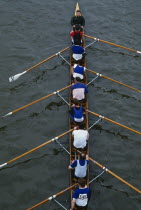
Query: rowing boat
x,y
74,154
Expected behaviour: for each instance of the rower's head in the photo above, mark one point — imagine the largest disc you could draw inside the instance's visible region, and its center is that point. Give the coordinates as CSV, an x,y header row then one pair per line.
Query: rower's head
x,y
77,27
77,79
76,102
82,182
78,13
83,156
82,125
80,62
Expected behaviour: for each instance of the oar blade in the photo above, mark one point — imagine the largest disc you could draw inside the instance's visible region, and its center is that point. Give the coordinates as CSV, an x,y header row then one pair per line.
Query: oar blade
x,y
15,77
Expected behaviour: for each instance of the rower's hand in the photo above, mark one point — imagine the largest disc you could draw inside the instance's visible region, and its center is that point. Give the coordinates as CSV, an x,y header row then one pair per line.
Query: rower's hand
x,y
87,157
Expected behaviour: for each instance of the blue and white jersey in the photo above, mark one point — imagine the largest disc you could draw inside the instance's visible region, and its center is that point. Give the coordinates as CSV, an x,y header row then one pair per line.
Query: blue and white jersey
x,y
81,162
78,114
77,52
80,85
79,90
78,71
76,49
81,196
80,168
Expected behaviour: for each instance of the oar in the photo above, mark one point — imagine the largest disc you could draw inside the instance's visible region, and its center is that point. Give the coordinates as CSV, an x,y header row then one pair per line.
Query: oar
x,y
116,123
52,197
100,40
36,148
101,75
113,174
116,176
40,99
15,77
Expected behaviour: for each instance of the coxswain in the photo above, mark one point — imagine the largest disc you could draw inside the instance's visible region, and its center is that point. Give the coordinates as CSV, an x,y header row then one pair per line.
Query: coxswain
x,y
77,51
78,70
79,89
80,135
80,166
77,111
78,19
81,196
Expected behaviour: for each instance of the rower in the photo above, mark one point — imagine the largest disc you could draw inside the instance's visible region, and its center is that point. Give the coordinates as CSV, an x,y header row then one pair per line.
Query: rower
x,y
78,19
80,196
78,70
77,51
76,34
77,111
80,135
80,166
79,89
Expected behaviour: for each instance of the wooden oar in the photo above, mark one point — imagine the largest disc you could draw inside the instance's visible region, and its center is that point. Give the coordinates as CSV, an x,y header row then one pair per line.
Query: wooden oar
x,y
52,197
100,40
36,148
113,174
15,77
40,99
116,123
116,176
101,75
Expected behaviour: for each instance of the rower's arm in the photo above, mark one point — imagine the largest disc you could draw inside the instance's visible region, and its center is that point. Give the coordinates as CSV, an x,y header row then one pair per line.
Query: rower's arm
x,y
72,204
72,69
72,22
83,21
88,136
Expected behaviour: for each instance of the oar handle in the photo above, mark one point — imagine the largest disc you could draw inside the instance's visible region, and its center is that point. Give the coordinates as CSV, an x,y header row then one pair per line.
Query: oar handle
x,y
126,48
116,176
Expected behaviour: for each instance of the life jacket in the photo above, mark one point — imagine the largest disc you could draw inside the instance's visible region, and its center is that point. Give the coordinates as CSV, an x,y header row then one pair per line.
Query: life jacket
x,y
78,113
79,69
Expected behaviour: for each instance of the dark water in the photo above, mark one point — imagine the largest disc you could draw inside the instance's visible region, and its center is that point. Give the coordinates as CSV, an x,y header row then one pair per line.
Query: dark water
x,y
31,31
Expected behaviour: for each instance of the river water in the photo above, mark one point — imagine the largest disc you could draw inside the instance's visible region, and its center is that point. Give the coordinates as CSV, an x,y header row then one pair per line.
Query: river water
x,y
31,31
